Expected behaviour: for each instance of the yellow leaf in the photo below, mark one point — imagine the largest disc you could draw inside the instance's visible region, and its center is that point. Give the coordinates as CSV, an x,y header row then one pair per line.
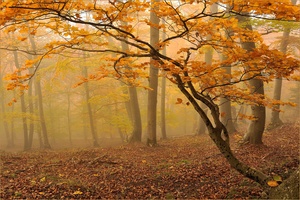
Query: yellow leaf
x,y
273,183
77,192
43,179
144,161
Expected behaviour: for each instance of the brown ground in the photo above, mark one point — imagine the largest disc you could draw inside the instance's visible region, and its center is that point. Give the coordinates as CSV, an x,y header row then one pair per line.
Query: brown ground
x,y
185,167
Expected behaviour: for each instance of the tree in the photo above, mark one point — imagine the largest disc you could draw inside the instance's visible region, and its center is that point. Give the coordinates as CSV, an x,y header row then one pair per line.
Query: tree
x,y
257,125
153,77
199,82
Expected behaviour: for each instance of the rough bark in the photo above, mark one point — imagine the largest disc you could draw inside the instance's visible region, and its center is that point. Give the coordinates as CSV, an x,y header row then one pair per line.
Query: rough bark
x,y
289,189
153,82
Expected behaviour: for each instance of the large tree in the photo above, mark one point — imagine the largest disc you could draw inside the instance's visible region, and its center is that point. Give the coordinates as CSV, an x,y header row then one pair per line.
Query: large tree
x,y
187,25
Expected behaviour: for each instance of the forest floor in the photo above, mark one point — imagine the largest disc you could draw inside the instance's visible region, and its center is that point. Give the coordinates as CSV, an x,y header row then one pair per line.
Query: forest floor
x,y
187,167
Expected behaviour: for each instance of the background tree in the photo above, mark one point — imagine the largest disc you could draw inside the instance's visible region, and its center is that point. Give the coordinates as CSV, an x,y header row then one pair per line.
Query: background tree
x,y
153,77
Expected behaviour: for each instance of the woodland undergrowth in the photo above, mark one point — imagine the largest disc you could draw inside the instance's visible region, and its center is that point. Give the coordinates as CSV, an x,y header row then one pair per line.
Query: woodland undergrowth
x,y
188,167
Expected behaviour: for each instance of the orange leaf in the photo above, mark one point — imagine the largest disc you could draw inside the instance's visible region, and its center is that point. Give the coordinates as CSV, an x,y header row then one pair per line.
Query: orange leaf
x,y
273,183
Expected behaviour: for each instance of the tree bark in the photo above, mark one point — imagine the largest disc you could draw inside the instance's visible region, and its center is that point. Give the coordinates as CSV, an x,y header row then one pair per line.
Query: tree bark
x,y
289,189
257,126
153,80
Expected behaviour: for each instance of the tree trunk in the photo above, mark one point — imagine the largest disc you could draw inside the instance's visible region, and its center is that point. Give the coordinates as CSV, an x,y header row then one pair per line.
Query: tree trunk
x,y
275,119
289,189
153,80
23,108
257,126
89,109
69,118
38,90
226,108
31,111
163,98
134,108
4,121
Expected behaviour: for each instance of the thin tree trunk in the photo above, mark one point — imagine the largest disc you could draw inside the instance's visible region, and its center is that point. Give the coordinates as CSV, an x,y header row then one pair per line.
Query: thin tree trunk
x,y
38,89
153,80
89,109
69,118
23,108
5,124
31,111
134,109
275,119
163,97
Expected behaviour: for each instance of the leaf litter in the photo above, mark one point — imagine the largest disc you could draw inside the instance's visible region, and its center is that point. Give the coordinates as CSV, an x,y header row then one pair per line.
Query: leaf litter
x,y
188,167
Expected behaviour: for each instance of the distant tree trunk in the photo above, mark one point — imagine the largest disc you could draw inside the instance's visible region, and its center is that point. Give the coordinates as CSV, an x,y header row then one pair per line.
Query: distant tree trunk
x,y
225,103
38,128
4,121
31,111
275,119
153,80
257,126
38,89
163,97
208,56
23,108
69,118
134,108
89,109
163,108
225,107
